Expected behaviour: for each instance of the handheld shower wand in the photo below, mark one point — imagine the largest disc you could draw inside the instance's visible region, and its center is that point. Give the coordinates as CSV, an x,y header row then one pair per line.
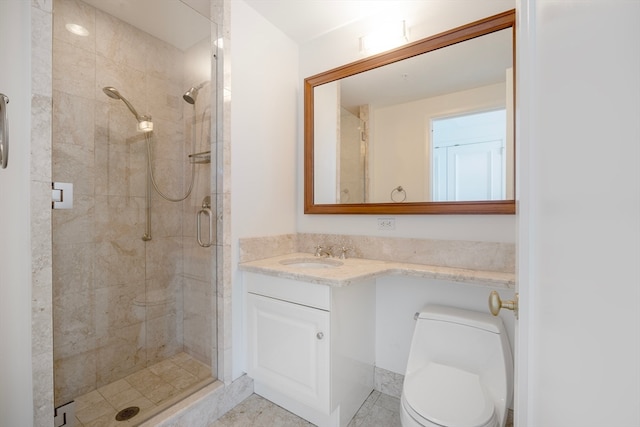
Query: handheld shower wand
x,y
144,122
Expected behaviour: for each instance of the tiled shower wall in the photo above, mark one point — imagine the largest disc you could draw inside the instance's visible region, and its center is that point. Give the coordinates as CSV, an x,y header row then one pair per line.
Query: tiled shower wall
x,y
121,304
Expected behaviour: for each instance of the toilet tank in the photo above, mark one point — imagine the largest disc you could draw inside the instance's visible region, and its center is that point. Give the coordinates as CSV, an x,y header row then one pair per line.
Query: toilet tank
x,y
469,340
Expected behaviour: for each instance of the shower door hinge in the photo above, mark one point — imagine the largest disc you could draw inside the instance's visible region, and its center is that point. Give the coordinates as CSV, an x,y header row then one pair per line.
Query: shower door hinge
x,y
65,415
61,195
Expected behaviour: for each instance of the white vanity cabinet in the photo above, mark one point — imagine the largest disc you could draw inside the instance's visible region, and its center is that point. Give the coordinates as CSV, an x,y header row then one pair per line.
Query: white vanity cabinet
x,y
310,347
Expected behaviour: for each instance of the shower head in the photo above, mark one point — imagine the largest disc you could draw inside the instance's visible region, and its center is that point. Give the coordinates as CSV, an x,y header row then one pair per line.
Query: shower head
x,y
144,122
192,94
111,92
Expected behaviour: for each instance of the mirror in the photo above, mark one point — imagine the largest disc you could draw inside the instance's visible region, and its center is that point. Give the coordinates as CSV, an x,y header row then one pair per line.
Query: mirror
x,y
426,128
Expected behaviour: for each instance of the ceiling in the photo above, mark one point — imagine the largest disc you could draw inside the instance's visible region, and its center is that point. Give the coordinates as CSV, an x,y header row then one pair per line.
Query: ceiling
x,y
181,23
304,20
301,20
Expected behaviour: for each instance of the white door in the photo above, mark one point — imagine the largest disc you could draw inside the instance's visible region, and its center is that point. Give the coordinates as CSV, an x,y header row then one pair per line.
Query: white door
x,y
16,396
475,171
578,337
288,349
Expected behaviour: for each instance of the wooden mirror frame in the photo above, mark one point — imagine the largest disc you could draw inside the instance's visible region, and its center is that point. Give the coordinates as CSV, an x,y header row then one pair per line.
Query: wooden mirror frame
x,y
460,34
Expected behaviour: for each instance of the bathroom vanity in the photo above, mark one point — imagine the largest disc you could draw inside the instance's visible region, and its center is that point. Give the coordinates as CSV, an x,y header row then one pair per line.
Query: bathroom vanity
x,y
310,328
310,346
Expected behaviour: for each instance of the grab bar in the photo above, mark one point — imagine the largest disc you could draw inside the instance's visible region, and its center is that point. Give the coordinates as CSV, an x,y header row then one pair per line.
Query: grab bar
x,y
206,204
4,131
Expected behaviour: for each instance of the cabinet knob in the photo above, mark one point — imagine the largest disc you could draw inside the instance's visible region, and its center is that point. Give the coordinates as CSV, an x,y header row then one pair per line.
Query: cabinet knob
x,y
319,335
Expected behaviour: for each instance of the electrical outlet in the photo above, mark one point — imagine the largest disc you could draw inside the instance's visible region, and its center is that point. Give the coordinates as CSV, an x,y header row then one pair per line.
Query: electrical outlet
x,y
386,223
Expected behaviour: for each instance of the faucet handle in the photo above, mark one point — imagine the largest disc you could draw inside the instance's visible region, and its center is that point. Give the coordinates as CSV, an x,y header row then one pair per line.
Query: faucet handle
x,y
343,252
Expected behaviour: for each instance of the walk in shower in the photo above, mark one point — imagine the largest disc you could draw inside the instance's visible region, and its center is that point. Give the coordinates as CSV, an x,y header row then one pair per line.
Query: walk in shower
x,y
135,101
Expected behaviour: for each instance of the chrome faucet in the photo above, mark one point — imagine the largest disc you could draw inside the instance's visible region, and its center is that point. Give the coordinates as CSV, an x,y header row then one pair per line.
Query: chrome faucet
x,y
320,251
343,252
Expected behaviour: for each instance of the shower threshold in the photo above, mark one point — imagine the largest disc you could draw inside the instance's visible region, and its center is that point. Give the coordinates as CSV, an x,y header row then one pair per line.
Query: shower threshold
x,y
151,390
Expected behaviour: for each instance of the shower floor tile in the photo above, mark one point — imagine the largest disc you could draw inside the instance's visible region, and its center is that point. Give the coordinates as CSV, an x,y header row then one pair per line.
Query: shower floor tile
x,y
152,389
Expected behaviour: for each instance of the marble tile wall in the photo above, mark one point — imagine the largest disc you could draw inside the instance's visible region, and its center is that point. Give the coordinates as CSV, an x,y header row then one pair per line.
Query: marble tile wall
x,y
119,303
199,297
221,13
41,295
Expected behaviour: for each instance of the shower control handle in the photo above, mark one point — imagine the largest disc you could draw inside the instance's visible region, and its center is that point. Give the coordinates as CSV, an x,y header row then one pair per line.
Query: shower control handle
x,y
204,212
4,131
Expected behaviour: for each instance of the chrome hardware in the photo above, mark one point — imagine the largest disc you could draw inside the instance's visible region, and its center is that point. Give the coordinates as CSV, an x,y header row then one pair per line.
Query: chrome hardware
x,y
319,335
4,131
415,316
397,193
200,158
205,211
343,252
64,414
146,237
61,195
320,251
495,304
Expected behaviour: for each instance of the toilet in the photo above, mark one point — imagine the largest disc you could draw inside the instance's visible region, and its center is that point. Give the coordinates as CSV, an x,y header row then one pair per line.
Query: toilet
x,y
459,372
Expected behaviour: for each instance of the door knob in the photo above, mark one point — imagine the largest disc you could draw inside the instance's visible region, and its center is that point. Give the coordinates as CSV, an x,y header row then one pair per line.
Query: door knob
x,y
495,304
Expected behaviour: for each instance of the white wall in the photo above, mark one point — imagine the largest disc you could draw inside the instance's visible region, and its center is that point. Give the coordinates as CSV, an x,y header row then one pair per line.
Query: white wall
x,y
326,152
341,46
267,198
16,397
264,69
401,143
399,298
579,139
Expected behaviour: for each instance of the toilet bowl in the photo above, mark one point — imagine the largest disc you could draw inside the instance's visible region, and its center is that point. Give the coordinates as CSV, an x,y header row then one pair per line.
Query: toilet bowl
x,y
459,372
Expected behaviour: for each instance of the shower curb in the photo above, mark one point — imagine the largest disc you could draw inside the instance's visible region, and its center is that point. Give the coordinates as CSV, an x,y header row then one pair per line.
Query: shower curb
x,y
205,406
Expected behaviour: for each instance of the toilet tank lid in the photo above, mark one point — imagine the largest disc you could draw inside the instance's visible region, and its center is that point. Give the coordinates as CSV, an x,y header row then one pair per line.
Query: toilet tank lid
x,y
464,317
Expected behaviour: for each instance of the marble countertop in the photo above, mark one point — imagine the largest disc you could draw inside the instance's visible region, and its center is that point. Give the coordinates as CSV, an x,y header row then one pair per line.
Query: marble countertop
x,y
355,269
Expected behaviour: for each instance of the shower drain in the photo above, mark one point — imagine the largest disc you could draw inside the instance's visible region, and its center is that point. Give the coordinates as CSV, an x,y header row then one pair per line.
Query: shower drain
x,y
127,413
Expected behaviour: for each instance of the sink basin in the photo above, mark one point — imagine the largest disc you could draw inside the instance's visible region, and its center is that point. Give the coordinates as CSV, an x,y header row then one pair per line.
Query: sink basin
x,y
311,262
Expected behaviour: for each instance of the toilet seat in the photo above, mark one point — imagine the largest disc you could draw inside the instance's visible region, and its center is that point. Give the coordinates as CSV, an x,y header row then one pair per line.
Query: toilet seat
x,y
446,396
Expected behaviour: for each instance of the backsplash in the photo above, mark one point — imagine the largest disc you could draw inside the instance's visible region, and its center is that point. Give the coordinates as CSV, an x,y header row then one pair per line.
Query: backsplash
x,y
490,256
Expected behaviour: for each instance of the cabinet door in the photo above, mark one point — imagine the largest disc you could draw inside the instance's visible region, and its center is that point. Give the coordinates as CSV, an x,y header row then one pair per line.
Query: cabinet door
x,y
288,349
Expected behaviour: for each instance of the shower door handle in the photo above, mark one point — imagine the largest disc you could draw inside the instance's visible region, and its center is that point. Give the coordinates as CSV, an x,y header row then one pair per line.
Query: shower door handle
x,y
207,213
4,131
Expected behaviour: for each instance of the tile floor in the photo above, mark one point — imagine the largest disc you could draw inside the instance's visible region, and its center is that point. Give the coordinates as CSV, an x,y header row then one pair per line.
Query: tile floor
x,y
379,410
157,387
152,389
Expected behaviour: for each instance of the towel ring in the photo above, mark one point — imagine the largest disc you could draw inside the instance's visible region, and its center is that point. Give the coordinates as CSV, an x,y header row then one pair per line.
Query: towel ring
x,y
396,192
4,131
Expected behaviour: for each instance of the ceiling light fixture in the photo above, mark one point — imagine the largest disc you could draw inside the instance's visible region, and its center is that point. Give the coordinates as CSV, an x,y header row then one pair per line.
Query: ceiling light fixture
x,y
77,29
386,36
